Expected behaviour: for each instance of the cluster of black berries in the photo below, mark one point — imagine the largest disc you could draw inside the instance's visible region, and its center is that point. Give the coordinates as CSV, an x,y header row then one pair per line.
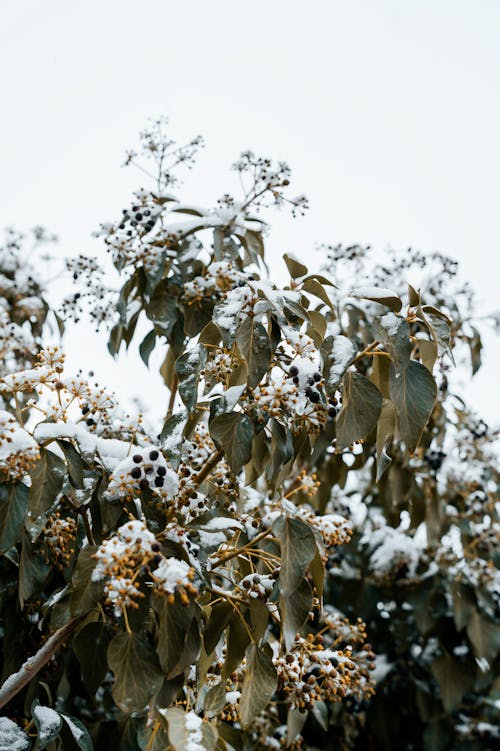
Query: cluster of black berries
x,y
434,458
148,470
138,217
311,390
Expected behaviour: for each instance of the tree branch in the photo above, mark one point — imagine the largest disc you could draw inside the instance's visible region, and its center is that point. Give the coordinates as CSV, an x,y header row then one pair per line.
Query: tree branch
x,y
17,681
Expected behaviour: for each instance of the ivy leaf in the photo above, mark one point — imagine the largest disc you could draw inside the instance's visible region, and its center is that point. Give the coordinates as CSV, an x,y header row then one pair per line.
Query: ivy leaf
x,y
316,288
137,673
176,645
385,430
298,548
393,332
74,462
79,732
295,609
362,403
90,646
383,296
260,683
295,268
233,432
48,724
47,478
484,636
147,346
413,392
85,593
188,368
254,344
14,504
179,730
337,352
454,680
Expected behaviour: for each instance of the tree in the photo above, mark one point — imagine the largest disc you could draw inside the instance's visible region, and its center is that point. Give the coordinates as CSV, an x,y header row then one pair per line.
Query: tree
x,y
298,547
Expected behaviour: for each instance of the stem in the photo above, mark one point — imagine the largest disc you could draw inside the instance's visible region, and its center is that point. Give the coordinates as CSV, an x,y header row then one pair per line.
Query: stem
x,y
33,665
249,544
88,528
209,466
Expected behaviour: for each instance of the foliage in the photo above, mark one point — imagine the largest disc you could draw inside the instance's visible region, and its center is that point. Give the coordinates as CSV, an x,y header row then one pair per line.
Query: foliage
x,y
299,550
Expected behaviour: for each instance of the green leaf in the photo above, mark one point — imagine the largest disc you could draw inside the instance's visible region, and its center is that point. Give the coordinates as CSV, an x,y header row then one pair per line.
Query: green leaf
x,y
382,296
176,645
394,333
296,268
316,288
254,344
215,700
260,683
78,732
484,636
74,462
48,724
413,392
147,346
47,478
178,730
233,432
298,548
14,504
362,403
85,593
295,609
188,368
385,430
454,678
337,352
90,646
33,570
137,672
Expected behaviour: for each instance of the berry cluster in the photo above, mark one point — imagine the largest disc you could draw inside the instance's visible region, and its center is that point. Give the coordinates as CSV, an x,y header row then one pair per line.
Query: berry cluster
x,y
59,535
145,470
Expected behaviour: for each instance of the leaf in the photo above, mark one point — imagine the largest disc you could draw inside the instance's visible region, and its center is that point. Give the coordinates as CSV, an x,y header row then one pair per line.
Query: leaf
x,y
147,346
48,724
261,681
14,506
254,344
362,403
454,679
383,296
188,368
179,731
295,267
316,288
394,333
413,392
233,432
47,478
295,610
385,430
137,672
175,623
74,462
215,700
337,352
85,593
298,548
90,646
484,636
220,615
33,570
78,732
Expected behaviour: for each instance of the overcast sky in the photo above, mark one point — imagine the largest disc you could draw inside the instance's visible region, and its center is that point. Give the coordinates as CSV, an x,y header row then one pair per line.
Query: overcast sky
x,y
388,112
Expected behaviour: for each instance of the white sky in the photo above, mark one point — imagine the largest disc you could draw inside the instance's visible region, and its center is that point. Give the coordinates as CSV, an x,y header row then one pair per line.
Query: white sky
x,y
388,112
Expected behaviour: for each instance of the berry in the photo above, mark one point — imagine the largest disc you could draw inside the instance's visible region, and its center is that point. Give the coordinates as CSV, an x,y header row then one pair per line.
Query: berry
x,y
314,397
144,484
296,380
90,421
161,471
159,481
308,392
317,377
135,473
156,547
294,371
153,455
137,458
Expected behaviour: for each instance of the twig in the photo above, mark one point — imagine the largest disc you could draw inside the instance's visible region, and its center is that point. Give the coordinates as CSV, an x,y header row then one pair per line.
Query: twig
x,y
17,681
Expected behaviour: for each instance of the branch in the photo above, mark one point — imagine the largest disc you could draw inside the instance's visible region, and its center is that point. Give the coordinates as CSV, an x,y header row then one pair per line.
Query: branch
x,y
17,681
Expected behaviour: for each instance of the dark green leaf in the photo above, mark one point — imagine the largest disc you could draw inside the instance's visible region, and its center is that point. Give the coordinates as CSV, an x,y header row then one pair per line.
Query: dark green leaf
x,y
362,403
295,267
413,392
78,732
259,685
90,646
147,346
14,504
188,367
298,548
47,478
137,673
85,593
254,344
233,432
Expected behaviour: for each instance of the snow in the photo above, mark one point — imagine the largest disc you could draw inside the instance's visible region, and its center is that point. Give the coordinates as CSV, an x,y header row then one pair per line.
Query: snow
x,y
342,353
76,732
374,292
172,574
110,450
12,738
49,721
391,322
17,439
194,740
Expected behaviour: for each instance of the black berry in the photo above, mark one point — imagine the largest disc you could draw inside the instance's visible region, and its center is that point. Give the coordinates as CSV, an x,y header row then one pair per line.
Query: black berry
x,y
153,455
135,473
162,471
156,547
137,458
294,371
144,484
159,481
